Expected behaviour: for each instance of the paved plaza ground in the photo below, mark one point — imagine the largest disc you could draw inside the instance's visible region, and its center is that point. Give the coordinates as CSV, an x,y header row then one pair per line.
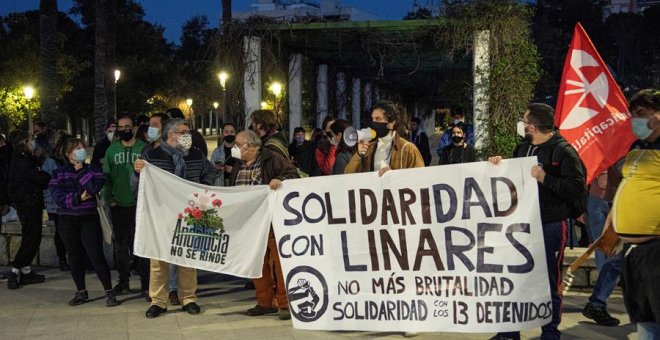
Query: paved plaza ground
x,y
41,312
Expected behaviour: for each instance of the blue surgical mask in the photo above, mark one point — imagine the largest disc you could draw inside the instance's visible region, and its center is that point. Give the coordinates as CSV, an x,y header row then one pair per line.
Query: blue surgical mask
x,y
640,127
80,155
33,145
153,133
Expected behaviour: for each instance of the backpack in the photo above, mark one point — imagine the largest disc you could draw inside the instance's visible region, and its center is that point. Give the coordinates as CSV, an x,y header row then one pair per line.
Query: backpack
x,y
578,204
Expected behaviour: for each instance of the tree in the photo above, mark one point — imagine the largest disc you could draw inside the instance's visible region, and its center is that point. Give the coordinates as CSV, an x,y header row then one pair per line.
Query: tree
x,y
100,69
48,60
226,11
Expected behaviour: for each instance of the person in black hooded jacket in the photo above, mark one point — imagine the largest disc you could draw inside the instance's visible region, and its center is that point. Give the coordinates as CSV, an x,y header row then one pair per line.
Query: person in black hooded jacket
x,y
25,188
561,179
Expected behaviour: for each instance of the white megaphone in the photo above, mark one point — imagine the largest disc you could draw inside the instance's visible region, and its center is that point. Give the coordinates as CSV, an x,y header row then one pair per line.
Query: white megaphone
x,y
352,136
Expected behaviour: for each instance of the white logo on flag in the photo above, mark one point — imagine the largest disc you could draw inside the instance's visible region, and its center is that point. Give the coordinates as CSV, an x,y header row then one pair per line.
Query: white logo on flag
x,y
599,89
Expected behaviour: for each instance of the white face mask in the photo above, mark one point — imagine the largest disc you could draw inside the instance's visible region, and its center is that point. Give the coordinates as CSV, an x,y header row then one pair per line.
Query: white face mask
x,y
640,127
110,135
520,129
236,152
184,142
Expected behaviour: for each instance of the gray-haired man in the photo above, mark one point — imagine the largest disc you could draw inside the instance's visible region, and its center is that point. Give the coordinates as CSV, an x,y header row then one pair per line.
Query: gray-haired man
x,y
175,156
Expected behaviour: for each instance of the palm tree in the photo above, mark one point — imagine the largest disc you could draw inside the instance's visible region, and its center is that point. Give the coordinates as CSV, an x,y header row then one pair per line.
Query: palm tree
x,y
100,69
48,60
226,11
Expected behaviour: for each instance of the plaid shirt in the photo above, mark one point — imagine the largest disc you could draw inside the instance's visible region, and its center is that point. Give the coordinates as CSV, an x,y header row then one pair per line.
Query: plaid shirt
x,y
250,174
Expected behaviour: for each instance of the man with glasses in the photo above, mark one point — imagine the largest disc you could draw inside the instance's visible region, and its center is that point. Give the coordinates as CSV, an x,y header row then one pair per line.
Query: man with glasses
x,y
118,169
256,165
176,156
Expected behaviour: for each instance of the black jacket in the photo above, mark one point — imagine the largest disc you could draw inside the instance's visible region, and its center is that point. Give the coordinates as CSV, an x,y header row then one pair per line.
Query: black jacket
x,y
564,180
303,156
26,181
5,161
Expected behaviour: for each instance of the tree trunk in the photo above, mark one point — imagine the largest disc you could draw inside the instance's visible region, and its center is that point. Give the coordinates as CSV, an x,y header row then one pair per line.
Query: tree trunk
x,y
110,56
48,61
226,11
100,70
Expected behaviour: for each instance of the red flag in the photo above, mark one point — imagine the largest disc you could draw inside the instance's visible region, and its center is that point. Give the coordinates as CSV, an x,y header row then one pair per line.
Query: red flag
x,y
592,113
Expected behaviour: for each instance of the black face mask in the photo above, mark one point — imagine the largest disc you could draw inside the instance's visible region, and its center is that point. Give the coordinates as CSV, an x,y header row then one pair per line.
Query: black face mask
x,y
230,138
456,139
125,135
380,128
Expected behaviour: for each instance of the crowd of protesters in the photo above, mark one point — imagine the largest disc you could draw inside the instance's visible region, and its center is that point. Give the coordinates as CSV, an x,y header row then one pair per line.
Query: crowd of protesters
x,y
49,170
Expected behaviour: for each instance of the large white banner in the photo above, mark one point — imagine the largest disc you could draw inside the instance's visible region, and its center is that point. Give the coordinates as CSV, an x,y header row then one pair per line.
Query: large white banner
x,y
182,223
454,249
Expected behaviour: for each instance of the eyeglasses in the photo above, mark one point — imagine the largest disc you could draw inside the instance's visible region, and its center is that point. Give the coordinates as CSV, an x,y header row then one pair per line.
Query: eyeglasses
x,y
125,127
240,146
184,132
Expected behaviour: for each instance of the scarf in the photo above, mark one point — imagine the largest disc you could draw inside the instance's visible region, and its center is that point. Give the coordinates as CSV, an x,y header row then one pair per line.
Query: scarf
x,y
177,156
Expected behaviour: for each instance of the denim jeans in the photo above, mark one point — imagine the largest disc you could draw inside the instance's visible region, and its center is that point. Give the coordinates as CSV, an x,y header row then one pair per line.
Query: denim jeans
x,y
608,268
173,278
648,330
597,210
554,238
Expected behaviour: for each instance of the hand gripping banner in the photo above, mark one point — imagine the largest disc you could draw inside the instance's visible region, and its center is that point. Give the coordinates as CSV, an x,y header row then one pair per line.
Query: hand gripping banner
x,y
456,248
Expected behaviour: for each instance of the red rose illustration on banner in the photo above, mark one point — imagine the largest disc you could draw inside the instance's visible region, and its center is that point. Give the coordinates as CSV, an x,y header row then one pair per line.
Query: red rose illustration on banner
x,y
592,113
202,211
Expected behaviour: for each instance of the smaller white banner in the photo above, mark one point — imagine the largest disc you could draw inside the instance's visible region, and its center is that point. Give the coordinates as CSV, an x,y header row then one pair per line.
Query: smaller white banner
x,y
217,229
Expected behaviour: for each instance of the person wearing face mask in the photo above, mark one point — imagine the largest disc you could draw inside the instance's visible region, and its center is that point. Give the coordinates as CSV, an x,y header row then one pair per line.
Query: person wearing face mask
x,y
257,165
102,145
302,151
118,169
198,141
561,177
418,136
221,156
445,139
176,156
74,187
635,216
459,151
153,132
25,188
389,150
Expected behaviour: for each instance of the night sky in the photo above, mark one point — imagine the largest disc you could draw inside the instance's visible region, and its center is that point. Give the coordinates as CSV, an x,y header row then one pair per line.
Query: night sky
x,y
172,14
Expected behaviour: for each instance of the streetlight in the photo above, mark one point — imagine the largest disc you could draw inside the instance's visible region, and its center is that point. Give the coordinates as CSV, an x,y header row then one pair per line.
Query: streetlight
x,y
189,102
276,89
28,91
117,76
223,76
215,107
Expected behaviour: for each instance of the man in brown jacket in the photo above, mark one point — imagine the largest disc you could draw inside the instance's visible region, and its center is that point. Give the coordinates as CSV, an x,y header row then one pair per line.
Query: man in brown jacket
x,y
390,151
257,165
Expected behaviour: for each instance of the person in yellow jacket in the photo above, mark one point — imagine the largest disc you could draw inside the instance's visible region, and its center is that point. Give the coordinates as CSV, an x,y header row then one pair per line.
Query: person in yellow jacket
x,y
636,218
389,151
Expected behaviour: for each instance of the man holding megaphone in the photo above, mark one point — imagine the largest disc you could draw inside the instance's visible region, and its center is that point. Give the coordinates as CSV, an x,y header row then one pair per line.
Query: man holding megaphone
x,y
381,148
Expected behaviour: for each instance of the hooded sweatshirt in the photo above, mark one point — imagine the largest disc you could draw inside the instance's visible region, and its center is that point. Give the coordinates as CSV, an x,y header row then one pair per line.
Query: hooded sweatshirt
x,y
564,180
118,168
